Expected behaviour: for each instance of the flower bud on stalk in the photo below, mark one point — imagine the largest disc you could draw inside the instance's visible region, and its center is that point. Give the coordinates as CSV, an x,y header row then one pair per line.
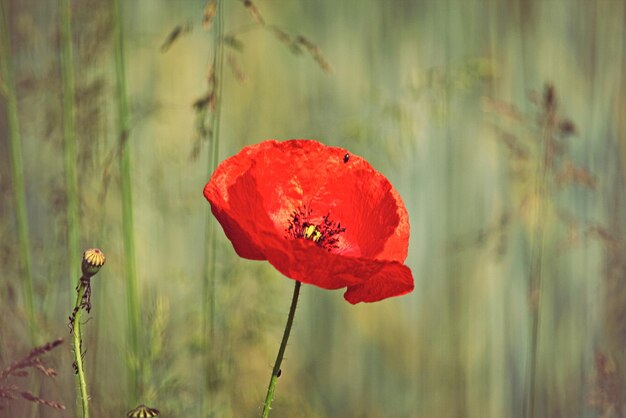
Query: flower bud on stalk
x,y
93,260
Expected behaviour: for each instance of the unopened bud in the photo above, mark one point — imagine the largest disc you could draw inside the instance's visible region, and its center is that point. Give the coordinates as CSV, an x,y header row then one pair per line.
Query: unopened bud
x,y
93,259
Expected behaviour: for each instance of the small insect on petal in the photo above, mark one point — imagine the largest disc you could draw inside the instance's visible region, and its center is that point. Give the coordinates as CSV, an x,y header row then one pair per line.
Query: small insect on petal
x,y
346,157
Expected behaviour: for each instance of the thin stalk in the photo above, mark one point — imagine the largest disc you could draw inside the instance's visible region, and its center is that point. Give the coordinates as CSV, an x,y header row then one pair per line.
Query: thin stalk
x,y
208,300
78,357
218,63
536,265
17,170
134,364
69,134
622,136
535,294
281,352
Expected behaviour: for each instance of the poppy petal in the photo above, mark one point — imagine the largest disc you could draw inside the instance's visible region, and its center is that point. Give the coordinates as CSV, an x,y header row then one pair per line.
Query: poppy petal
x,y
296,173
239,210
394,279
368,280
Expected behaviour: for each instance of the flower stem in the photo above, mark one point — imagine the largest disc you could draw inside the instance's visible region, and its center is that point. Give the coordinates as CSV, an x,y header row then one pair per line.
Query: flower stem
x,y
78,358
281,352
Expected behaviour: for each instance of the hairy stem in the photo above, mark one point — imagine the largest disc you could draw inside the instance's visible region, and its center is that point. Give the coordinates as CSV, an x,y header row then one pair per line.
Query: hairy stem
x,y
134,369
281,352
78,358
17,170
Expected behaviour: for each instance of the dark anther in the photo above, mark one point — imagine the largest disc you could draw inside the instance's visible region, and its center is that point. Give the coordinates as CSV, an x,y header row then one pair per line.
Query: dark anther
x,y
323,233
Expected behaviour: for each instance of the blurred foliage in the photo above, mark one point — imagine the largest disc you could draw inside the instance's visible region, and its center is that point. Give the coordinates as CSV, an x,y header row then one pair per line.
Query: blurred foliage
x,y
490,118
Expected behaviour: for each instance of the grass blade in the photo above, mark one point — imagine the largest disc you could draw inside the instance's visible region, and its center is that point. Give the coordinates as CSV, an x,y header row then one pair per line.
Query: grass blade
x,y
17,170
70,154
134,368
208,300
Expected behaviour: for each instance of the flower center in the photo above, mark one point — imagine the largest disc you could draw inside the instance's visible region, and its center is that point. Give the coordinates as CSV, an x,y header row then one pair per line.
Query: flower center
x,y
324,233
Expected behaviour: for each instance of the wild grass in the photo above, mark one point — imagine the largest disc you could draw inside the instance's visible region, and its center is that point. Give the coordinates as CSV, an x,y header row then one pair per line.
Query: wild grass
x,y
8,93
541,165
19,368
70,145
135,357
542,193
215,90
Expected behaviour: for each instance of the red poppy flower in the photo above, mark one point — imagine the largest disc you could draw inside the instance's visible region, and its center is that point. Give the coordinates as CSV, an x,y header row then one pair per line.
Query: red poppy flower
x,y
318,214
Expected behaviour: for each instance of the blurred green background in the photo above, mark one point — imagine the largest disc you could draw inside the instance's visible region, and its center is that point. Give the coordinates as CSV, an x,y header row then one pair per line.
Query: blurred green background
x,y
501,123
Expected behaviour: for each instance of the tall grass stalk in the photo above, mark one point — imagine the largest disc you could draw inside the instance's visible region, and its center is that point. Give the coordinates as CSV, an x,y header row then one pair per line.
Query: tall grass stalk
x,y
70,154
622,130
92,262
536,259
208,301
134,362
17,170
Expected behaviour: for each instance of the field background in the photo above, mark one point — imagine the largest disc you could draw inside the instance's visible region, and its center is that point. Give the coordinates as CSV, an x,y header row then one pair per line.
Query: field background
x,y
501,123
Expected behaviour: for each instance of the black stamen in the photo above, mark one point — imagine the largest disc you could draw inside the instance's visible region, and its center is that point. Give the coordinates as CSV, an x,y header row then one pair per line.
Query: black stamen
x,y
324,234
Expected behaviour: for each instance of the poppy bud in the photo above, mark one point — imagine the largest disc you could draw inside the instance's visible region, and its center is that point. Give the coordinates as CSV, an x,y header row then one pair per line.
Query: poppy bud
x,y
143,411
93,259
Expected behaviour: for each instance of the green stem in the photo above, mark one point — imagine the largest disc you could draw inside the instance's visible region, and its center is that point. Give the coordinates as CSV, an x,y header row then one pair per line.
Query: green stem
x,y
132,301
534,344
17,170
281,352
218,63
69,133
210,238
536,265
78,358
